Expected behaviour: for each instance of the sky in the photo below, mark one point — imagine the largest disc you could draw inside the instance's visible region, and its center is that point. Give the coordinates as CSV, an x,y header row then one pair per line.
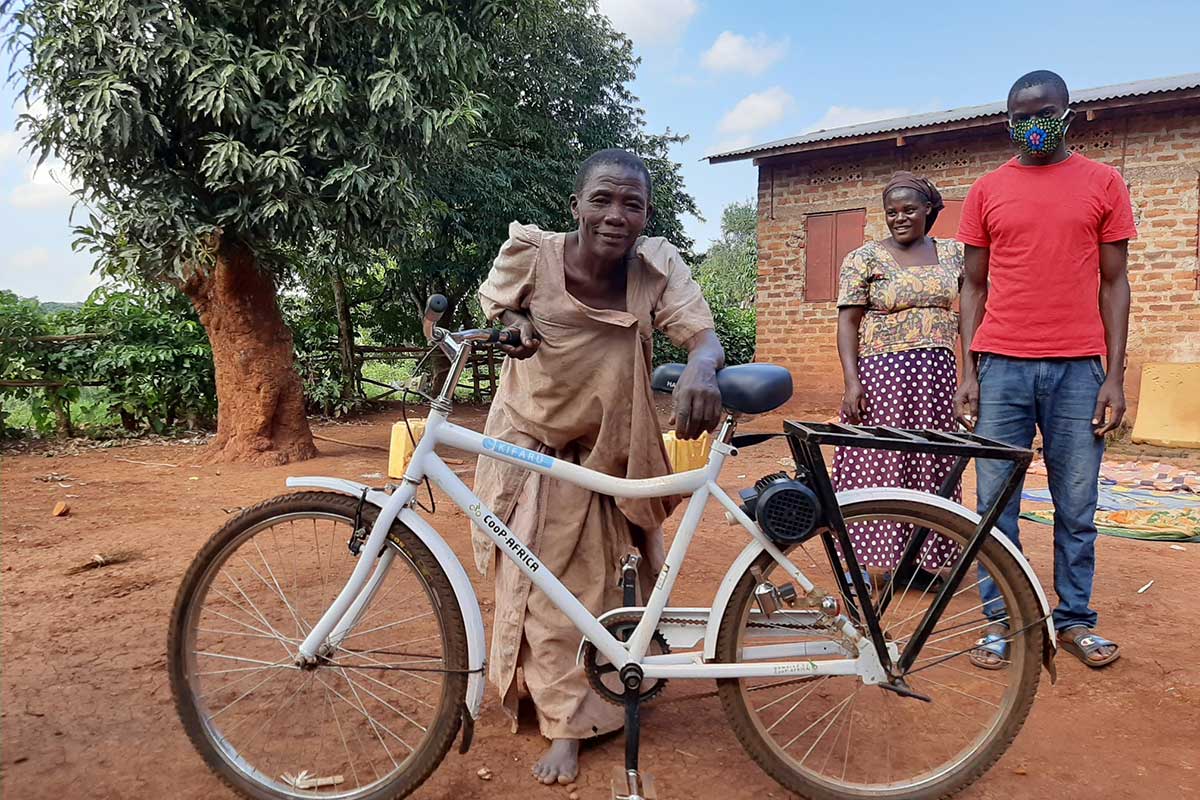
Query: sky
x,y
730,73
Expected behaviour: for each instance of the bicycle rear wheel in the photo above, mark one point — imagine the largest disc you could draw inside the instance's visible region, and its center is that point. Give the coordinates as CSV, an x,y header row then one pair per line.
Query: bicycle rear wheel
x,y
832,738
375,717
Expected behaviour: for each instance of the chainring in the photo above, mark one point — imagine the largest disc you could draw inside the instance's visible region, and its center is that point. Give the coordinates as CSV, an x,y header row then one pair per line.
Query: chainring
x,y
621,627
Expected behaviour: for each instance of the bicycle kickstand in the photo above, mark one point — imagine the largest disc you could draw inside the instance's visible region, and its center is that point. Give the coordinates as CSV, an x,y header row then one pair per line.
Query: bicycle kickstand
x,y
630,783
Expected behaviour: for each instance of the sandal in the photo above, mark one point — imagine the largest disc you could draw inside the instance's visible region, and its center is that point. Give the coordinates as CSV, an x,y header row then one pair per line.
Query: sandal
x,y
1084,646
995,644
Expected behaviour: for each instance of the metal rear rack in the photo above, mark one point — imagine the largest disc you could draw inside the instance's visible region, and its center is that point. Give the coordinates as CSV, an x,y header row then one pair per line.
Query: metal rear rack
x,y
806,440
877,437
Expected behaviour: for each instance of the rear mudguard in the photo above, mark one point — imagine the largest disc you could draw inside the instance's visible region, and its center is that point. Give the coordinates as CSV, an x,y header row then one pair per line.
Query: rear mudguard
x,y
754,549
464,592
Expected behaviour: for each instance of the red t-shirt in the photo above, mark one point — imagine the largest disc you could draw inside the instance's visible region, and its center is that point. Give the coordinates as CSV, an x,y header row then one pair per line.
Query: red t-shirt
x,y
1043,226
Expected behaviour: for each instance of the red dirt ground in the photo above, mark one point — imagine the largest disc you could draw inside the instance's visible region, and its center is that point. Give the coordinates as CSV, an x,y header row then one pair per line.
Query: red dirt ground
x,y
87,711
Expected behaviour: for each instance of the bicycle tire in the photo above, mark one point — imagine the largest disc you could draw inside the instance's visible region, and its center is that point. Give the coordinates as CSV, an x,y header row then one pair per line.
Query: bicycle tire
x,y
768,756
434,746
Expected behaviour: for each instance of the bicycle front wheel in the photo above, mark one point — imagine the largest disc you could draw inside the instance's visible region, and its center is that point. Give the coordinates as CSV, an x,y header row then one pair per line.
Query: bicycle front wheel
x,y
832,737
378,712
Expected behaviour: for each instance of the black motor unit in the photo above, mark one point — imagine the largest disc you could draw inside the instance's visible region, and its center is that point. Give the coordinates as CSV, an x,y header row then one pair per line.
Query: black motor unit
x,y
785,508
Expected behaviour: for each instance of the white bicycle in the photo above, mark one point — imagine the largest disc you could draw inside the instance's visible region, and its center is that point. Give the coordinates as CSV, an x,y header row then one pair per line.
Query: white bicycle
x,y
329,643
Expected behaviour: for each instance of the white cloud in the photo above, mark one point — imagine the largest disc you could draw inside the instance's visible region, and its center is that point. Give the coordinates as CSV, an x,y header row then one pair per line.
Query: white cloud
x,y
843,116
732,52
650,22
10,145
57,274
726,145
757,110
44,187
29,260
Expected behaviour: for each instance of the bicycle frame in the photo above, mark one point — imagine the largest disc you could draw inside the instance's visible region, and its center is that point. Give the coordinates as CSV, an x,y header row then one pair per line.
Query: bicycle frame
x,y
701,484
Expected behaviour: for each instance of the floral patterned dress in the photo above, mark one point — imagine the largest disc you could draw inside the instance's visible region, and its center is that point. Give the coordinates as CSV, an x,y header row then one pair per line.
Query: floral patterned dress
x,y
908,369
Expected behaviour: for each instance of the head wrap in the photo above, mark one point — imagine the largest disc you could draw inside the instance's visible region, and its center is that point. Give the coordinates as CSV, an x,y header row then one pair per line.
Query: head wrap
x,y
925,189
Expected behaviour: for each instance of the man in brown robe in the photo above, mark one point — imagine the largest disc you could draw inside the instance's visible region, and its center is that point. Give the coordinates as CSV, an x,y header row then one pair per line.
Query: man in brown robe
x,y
578,388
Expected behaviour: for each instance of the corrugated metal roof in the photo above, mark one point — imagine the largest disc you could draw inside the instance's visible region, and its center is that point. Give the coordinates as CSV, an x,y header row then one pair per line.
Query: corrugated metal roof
x,y
917,121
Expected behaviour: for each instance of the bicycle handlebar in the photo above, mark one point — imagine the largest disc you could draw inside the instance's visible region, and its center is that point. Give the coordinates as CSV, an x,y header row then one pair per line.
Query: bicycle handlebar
x,y
436,306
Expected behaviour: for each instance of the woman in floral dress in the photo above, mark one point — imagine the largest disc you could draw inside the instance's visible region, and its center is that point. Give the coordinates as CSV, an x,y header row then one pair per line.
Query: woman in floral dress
x,y
897,331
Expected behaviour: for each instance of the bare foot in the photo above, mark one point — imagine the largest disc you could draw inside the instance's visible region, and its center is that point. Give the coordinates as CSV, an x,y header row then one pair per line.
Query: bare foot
x,y
560,763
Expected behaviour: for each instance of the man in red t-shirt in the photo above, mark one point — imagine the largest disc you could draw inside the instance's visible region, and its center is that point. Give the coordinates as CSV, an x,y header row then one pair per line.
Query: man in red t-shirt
x,y
1045,301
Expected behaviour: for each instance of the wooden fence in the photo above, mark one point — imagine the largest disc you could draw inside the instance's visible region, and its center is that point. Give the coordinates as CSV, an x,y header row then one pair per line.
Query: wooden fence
x,y
484,368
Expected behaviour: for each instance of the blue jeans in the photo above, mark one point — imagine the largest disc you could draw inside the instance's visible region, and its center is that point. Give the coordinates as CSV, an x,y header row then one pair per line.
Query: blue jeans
x,y
1059,398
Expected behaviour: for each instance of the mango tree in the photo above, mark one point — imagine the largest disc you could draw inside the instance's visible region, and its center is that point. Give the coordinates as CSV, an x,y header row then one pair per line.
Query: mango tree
x,y
211,138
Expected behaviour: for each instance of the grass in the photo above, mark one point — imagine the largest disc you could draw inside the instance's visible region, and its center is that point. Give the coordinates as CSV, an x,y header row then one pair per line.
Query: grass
x,y
400,372
90,413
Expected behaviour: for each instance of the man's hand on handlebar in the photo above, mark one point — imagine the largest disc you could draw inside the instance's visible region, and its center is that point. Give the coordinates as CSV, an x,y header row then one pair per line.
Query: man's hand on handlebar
x,y
523,327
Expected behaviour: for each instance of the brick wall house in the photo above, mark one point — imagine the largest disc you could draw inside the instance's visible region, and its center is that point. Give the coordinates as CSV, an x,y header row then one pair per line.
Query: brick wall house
x,y
819,198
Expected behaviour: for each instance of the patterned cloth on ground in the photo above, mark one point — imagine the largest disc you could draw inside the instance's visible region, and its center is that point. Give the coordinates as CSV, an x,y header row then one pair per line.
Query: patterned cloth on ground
x,y
1170,525
1136,474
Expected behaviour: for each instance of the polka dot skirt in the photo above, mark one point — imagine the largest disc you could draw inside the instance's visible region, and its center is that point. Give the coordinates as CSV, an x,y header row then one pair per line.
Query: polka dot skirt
x,y
909,389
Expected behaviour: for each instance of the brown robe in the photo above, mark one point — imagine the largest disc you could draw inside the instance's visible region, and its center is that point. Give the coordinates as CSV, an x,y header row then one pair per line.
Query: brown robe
x,y
584,397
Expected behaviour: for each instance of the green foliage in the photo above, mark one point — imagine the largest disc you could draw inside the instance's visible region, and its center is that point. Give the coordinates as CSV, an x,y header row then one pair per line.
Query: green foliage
x,y
727,275
265,122
314,331
149,360
729,270
23,358
154,361
53,307
557,91
735,328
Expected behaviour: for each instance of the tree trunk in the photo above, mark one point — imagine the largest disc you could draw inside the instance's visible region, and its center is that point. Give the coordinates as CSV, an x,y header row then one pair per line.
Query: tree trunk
x,y
62,415
260,400
345,335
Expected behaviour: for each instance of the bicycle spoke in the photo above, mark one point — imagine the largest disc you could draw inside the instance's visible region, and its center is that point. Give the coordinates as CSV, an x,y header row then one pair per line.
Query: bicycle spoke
x,y
238,633
341,735
366,716
963,632
372,679
244,695
376,725
243,669
808,729
291,699
923,611
378,601
258,614
797,705
382,702
842,706
816,722
356,634
377,663
301,626
960,692
228,685
838,736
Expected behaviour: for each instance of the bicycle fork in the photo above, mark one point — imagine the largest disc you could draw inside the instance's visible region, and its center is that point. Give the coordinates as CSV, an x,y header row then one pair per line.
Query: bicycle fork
x,y
339,619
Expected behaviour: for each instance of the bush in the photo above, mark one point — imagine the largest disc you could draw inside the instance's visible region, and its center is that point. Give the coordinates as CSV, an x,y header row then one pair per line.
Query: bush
x,y
148,364
735,329
23,358
154,361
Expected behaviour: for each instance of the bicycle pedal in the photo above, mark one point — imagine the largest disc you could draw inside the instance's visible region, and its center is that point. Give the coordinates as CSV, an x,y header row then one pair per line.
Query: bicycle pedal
x,y
632,785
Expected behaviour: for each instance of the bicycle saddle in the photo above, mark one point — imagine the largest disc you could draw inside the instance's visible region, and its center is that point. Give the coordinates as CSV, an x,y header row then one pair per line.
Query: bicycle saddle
x,y
745,388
